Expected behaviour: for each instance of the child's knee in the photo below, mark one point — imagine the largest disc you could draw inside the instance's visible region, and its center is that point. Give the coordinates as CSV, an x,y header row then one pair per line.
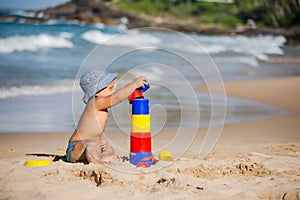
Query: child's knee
x,y
77,156
75,151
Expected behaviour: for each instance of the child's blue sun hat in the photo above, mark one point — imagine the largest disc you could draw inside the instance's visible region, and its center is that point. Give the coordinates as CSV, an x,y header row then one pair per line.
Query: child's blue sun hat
x,y
94,81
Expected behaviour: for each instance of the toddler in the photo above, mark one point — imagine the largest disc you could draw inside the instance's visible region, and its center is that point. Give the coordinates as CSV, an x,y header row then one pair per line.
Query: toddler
x,y
87,142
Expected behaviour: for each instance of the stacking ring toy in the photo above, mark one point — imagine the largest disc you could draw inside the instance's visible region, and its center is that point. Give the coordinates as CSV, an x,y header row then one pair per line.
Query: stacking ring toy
x,y
166,156
37,163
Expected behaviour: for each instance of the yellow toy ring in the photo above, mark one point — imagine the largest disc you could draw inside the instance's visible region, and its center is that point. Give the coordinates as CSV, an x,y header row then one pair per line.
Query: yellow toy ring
x,y
37,163
166,156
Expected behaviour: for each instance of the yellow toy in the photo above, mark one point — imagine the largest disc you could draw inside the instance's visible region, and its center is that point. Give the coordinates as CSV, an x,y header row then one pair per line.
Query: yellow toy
x,y
37,163
166,156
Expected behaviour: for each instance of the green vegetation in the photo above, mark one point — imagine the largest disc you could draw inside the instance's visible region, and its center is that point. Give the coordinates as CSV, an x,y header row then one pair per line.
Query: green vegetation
x,y
283,13
279,13
143,6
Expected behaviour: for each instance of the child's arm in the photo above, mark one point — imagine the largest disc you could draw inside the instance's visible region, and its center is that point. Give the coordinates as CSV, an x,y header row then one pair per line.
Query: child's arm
x,y
121,94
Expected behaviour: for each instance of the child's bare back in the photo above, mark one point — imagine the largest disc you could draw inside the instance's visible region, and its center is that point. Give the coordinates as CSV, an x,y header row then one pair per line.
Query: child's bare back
x,y
87,142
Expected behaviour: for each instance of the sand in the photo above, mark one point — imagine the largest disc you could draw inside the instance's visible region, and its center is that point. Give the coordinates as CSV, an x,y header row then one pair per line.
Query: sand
x,y
252,160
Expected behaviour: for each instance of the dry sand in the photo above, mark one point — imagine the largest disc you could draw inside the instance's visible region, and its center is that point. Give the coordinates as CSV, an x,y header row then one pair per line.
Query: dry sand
x,y
252,160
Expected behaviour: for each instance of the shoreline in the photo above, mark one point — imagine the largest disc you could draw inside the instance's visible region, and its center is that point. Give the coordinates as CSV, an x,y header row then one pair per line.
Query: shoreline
x,y
40,113
268,91
232,89
252,160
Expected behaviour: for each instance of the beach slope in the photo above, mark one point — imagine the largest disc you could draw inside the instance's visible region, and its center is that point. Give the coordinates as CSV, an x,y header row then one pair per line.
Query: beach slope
x,y
252,160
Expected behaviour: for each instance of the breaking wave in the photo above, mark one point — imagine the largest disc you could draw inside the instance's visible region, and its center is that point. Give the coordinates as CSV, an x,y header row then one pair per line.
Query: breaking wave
x,y
35,42
38,90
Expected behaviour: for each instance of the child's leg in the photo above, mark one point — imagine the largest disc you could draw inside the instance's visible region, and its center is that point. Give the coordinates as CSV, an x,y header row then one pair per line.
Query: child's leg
x,y
108,153
93,151
75,151
99,151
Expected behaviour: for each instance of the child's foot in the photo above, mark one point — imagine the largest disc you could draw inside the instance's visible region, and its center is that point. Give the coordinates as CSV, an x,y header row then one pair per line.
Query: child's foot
x,y
111,159
98,153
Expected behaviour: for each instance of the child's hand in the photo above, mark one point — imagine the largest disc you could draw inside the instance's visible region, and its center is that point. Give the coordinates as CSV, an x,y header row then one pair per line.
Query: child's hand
x,y
141,81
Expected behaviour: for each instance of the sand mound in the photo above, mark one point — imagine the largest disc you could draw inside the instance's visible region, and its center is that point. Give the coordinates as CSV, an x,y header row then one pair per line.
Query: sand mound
x,y
98,177
245,168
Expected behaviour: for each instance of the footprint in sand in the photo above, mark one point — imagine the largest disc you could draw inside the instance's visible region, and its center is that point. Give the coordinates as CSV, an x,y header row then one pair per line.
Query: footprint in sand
x,y
7,152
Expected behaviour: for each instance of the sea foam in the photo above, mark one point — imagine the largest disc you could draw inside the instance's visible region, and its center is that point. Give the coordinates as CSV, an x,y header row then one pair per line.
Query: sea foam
x,y
257,48
35,42
131,39
39,90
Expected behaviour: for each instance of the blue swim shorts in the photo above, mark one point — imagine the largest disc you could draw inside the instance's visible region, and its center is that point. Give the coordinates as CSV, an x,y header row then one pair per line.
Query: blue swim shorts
x,y
69,150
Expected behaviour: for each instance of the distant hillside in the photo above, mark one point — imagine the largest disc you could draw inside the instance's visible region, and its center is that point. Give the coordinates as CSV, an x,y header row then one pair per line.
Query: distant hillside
x,y
93,11
266,13
270,17
247,17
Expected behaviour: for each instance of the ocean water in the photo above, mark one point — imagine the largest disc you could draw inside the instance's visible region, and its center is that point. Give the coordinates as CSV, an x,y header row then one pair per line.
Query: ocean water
x,y
40,65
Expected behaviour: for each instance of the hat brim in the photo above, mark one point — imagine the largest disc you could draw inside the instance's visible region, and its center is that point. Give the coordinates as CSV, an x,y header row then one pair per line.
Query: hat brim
x,y
101,85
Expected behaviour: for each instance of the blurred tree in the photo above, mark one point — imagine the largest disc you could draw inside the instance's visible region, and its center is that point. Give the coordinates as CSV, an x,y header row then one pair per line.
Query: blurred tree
x,y
280,13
